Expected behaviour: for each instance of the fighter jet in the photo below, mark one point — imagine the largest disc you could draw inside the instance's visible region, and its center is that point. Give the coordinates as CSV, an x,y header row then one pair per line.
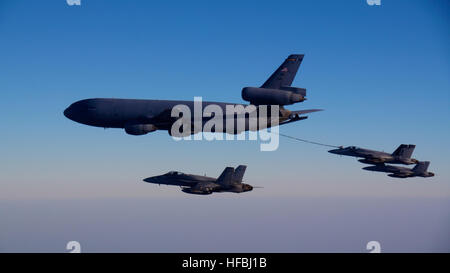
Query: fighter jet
x,y
139,117
401,172
402,155
229,181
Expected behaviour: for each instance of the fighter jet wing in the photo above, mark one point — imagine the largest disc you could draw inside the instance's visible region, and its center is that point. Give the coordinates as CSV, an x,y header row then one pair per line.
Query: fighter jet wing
x,y
399,174
375,158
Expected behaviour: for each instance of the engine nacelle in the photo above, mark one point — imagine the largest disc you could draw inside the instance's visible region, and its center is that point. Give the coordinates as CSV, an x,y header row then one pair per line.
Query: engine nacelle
x,y
194,191
297,90
139,129
397,175
267,96
371,161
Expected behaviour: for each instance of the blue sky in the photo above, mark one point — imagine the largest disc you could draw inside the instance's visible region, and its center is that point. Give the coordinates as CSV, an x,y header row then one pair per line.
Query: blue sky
x,y
380,72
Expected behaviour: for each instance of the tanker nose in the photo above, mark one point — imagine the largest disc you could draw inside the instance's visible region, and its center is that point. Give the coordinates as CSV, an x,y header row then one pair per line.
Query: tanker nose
x,y
75,111
83,111
68,112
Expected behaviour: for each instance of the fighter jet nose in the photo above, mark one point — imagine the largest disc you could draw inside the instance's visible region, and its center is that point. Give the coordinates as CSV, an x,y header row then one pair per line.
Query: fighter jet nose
x,y
340,151
151,180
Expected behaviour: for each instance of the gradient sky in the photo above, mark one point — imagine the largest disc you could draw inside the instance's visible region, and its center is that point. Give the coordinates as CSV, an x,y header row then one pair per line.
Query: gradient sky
x,y
380,72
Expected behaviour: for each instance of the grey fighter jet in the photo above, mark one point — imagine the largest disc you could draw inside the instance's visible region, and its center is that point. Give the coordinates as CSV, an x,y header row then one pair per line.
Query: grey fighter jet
x,y
402,155
229,181
401,172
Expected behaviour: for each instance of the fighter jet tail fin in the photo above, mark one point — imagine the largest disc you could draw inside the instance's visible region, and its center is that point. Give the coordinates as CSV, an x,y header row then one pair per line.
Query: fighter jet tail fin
x,y
285,74
226,178
404,150
421,167
239,173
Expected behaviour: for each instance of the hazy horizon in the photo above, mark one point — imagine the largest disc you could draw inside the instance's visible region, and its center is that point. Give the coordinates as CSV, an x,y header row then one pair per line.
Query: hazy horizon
x,y
227,223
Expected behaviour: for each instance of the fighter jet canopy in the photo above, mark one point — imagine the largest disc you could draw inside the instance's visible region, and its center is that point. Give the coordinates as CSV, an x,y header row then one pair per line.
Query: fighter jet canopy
x,y
173,173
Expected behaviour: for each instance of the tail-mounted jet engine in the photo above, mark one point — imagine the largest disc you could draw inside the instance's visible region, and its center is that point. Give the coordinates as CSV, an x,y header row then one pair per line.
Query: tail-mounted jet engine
x,y
266,96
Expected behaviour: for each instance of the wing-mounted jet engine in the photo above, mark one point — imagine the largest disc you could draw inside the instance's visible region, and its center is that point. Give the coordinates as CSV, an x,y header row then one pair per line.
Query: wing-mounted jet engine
x,y
139,129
